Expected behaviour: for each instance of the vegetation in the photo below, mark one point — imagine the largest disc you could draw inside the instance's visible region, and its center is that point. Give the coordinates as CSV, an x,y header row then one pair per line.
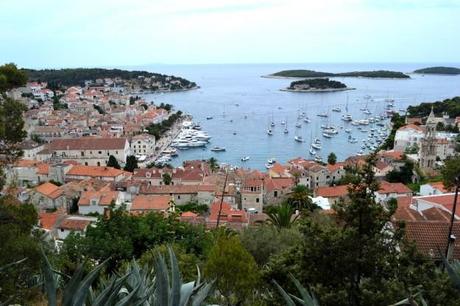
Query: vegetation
x,y
282,216
450,107
332,158
113,162
131,163
300,198
439,70
193,207
213,164
11,77
167,179
397,121
451,171
78,76
403,175
316,84
365,74
158,129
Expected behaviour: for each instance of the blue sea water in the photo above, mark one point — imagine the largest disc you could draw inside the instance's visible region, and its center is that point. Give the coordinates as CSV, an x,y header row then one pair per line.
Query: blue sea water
x,y
243,103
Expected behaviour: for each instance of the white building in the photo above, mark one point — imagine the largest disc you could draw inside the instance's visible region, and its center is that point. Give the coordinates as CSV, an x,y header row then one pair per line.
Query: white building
x,y
143,144
408,136
90,151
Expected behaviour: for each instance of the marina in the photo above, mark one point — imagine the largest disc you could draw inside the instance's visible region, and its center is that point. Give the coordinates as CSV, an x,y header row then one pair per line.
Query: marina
x,y
246,129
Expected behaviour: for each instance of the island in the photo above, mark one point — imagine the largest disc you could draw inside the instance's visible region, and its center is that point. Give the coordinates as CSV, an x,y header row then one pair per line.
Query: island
x,y
386,74
134,81
439,70
316,85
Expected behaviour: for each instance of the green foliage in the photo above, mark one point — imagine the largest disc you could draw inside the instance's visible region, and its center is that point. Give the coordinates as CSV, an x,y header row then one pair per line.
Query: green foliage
x,y
11,77
307,298
131,163
99,109
317,84
158,129
264,242
351,176
213,164
233,268
167,178
438,70
449,106
17,222
300,198
450,171
282,216
404,175
332,158
113,162
37,139
193,207
366,74
11,129
167,107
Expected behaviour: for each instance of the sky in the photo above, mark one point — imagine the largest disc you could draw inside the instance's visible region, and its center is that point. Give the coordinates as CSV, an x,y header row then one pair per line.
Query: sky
x,y
101,33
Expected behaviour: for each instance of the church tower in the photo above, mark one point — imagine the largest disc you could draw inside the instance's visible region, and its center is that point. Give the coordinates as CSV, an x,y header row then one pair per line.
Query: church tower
x,y
428,145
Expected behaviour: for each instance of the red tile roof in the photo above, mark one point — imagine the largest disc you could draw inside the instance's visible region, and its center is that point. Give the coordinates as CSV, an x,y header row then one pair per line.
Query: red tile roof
x,y
48,220
332,192
386,188
103,196
88,143
94,171
228,214
440,186
49,190
151,202
74,224
278,183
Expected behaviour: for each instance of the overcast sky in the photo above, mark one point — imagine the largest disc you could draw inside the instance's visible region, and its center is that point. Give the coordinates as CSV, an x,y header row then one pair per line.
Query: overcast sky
x,y
61,33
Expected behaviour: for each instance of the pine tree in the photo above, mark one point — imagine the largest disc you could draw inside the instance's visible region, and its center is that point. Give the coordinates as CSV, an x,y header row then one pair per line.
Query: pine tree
x,y
113,162
131,163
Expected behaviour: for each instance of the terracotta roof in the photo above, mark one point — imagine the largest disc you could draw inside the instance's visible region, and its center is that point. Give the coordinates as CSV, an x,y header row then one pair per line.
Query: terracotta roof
x,y
228,214
393,154
169,189
74,224
48,220
43,169
94,171
26,163
278,183
49,190
332,192
188,214
335,167
431,236
386,187
103,196
411,127
151,202
439,186
88,143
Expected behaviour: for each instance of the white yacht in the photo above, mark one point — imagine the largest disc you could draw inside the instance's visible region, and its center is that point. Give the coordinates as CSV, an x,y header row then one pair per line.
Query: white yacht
x,y
246,158
298,138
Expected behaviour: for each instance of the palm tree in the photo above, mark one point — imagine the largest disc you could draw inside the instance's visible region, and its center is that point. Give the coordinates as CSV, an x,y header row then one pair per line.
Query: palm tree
x,y
213,164
300,198
281,216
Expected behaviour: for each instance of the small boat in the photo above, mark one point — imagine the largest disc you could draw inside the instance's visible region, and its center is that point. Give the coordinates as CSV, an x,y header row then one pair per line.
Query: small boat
x,y
298,138
316,146
269,132
318,158
236,104
285,131
327,135
272,124
246,158
218,149
268,166
298,125
271,161
336,109
306,120
209,117
367,111
312,151
347,130
317,140
234,133
283,122
347,118
324,115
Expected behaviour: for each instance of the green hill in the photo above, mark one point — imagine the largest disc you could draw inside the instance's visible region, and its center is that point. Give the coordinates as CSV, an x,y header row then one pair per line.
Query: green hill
x,y
439,70
318,74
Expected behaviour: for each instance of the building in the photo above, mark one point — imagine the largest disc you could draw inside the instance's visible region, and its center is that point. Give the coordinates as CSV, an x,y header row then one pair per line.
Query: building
x,y
47,196
80,172
433,189
97,201
74,224
389,191
333,194
148,203
428,144
408,136
90,151
143,144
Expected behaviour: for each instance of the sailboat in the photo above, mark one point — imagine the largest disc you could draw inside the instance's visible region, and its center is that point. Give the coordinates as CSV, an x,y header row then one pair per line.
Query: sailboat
x,y
285,128
312,151
298,138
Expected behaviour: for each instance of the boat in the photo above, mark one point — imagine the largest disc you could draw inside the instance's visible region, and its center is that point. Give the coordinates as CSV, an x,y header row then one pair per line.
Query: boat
x,y
218,149
246,158
269,132
306,120
367,112
234,133
336,109
316,146
312,151
298,138
327,135
268,166
283,122
285,130
324,115
318,158
347,130
271,161
209,117
347,118
298,125
272,124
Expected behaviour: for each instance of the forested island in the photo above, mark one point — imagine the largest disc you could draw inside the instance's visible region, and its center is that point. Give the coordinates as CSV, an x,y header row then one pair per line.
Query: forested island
x,y
450,107
316,85
439,70
318,74
135,80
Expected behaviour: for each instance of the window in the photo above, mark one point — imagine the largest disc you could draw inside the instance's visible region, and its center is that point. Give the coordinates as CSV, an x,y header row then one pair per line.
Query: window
x,y
86,163
257,200
275,193
178,197
82,153
98,164
100,152
93,202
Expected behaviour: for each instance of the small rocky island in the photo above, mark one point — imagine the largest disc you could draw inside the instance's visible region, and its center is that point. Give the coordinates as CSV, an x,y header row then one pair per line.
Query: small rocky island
x,y
133,81
316,85
385,74
439,70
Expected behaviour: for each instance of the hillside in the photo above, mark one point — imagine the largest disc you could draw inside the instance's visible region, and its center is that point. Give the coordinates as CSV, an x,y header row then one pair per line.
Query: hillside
x,y
317,74
78,76
319,84
439,70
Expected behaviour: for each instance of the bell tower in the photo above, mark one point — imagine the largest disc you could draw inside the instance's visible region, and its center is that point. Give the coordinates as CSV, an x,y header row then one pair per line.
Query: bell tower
x,y
428,145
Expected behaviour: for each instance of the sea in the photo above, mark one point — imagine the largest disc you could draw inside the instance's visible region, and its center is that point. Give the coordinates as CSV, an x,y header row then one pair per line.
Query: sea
x,y
242,105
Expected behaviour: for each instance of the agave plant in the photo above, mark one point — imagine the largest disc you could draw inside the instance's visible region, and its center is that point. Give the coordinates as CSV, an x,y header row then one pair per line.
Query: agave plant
x,y
147,287
453,270
307,298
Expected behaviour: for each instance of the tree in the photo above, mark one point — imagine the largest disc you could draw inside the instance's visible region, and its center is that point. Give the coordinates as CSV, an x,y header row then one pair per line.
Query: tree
x,y
332,158
404,175
131,163
282,216
11,77
167,179
11,129
113,162
213,164
300,198
450,171
18,242
233,268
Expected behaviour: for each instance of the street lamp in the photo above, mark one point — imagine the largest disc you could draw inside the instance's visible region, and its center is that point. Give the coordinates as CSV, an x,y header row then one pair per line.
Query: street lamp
x,y
451,238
